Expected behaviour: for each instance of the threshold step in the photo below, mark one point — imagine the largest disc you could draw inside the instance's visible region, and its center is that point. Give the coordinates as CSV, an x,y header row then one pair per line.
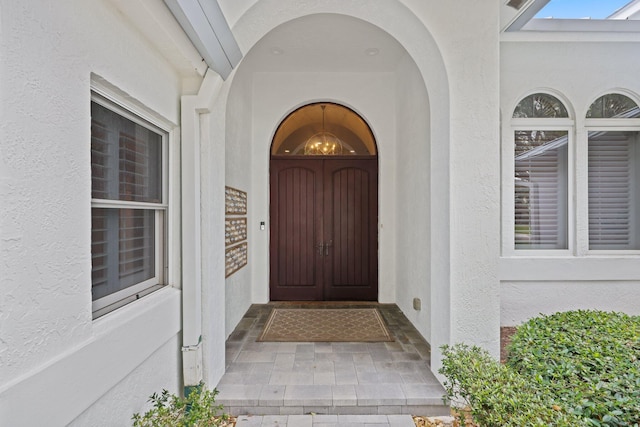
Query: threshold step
x,y
362,399
325,420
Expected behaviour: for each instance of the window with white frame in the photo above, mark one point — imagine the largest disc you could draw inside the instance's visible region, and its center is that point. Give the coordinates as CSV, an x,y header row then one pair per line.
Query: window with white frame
x,y
541,173
128,205
613,173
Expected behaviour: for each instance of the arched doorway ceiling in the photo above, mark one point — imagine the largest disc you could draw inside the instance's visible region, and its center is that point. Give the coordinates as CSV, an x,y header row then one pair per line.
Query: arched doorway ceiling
x,y
325,43
276,36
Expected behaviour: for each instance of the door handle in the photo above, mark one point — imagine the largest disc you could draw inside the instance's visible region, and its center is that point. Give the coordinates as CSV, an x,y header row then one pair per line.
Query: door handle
x,y
326,247
323,248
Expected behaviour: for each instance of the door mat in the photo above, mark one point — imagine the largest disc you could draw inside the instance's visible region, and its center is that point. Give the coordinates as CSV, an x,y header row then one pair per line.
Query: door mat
x,y
325,325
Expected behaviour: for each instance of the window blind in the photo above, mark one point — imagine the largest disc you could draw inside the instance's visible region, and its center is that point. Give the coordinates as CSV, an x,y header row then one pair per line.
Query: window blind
x,y
126,159
127,167
140,156
611,201
136,246
541,201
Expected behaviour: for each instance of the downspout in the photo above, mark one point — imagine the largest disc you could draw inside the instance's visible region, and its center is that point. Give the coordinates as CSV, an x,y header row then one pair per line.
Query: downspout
x,y
191,249
206,27
191,109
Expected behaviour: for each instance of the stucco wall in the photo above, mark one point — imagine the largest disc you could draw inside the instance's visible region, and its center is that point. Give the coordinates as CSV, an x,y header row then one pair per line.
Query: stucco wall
x,y
51,351
523,300
413,201
118,405
467,36
212,124
239,174
578,72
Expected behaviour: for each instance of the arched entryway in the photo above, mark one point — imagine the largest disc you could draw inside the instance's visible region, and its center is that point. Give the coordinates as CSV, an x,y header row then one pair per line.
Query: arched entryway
x,y
323,207
298,52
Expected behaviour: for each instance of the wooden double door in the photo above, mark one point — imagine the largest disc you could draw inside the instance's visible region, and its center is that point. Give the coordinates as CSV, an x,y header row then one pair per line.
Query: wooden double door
x,y
324,229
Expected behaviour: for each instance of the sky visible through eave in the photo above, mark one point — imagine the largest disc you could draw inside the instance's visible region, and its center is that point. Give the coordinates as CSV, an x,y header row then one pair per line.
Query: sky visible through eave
x,y
579,9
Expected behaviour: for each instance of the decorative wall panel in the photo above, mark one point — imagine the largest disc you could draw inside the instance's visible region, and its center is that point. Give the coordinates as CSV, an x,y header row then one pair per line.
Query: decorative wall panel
x,y
235,230
236,258
235,201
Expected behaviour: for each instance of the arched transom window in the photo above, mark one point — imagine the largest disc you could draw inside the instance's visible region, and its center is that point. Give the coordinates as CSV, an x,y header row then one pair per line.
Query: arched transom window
x,y
540,105
323,129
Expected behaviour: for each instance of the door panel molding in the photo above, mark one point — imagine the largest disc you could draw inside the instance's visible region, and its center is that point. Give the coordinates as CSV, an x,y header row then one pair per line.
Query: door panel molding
x,y
351,222
296,191
324,229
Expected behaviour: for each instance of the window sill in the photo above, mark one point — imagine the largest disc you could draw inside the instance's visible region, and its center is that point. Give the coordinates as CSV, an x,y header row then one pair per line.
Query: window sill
x,y
157,301
125,301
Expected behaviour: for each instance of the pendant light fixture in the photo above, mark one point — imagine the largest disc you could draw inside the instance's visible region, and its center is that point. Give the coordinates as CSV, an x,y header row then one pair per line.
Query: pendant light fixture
x,y
323,143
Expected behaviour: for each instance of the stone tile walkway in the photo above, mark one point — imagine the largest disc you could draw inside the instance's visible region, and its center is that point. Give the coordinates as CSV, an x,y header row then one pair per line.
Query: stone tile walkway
x,y
325,421
383,380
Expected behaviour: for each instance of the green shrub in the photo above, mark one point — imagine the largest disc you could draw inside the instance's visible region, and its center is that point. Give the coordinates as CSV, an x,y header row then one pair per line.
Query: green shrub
x,y
578,368
589,360
496,394
198,409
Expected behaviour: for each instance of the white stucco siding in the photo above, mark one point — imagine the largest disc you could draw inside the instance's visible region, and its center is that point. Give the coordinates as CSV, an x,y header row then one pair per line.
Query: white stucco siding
x,y
467,35
119,404
581,71
213,180
233,9
578,72
413,196
49,51
239,174
521,301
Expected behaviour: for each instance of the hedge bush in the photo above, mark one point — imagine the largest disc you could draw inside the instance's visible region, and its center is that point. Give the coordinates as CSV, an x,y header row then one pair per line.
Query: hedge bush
x,y
495,394
578,368
588,360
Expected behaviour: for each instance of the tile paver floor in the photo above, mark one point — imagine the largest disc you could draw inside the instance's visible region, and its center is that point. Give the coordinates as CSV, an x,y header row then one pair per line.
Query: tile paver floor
x,y
386,379
325,421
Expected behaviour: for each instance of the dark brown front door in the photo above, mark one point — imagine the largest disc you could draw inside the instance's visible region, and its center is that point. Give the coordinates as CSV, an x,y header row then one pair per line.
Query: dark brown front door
x,y
324,229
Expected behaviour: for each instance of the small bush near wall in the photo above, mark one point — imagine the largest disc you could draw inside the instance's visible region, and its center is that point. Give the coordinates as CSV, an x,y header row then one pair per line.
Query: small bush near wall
x,y
579,368
496,394
198,409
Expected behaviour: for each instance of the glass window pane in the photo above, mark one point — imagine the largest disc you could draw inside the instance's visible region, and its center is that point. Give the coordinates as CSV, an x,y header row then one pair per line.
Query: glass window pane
x,y
122,249
541,189
323,129
540,105
126,158
613,105
613,190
